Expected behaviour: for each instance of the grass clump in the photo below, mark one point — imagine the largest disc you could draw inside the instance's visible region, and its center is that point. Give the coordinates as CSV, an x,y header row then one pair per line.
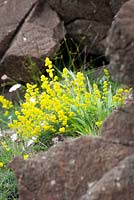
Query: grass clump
x,y
68,103
9,148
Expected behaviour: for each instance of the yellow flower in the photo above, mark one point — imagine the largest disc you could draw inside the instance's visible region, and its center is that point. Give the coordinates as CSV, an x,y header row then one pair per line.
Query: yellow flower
x,y
48,62
106,73
98,123
26,156
1,164
62,130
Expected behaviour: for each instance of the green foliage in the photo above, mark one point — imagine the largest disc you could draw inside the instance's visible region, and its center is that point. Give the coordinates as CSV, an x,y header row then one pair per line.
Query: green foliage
x,y
69,104
8,186
66,102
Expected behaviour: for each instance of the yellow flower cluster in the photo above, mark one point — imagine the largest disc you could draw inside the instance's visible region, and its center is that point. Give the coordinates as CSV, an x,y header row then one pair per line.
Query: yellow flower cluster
x,y
1,164
5,103
120,96
61,104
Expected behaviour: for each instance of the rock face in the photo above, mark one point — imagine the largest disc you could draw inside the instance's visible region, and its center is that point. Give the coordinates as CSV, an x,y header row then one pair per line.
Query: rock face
x,y
123,132
12,15
38,37
116,4
85,21
91,168
120,45
116,184
67,171
34,29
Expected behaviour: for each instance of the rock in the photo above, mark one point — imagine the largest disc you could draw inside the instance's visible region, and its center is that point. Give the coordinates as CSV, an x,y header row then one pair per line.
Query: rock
x,y
12,15
37,38
119,126
66,170
116,5
86,21
120,45
116,184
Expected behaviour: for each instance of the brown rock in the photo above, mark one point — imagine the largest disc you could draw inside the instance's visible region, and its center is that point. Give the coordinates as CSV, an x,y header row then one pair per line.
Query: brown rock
x,y
12,14
117,184
120,45
65,171
86,21
37,38
119,126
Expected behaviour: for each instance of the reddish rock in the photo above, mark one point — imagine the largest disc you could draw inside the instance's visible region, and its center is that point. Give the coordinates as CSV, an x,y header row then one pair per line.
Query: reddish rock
x,y
119,126
65,171
117,184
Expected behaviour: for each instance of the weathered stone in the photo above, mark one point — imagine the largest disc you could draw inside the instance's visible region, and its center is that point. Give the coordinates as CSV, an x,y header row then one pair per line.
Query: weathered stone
x,y
12,15
116,5
120,44
38,37
65,171
86,21
119,126
117,184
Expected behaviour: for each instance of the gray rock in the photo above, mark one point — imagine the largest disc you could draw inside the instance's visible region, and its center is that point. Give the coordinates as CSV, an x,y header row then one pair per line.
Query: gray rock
x,y
116,5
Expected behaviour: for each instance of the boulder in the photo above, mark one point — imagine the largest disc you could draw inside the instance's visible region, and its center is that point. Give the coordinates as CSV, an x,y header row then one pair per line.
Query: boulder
x,y
86,21
120,45
66,170
12,15
37,38
116,184
119,126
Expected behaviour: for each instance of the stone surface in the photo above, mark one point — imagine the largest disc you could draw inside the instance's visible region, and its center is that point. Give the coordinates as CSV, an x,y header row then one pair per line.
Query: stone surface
x,y
86,21
12,14
119,126
38,37
120,44
65,171
116,5
33,30
117,184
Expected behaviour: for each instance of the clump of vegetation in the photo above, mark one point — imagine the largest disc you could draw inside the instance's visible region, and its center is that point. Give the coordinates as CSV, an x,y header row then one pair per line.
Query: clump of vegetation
x,y
66,104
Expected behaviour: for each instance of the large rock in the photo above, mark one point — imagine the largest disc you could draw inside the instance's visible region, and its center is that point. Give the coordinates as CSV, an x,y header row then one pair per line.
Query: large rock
x,y
119,126
38,37
12,15
117,184
120,45
66,171
86,21
33,30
